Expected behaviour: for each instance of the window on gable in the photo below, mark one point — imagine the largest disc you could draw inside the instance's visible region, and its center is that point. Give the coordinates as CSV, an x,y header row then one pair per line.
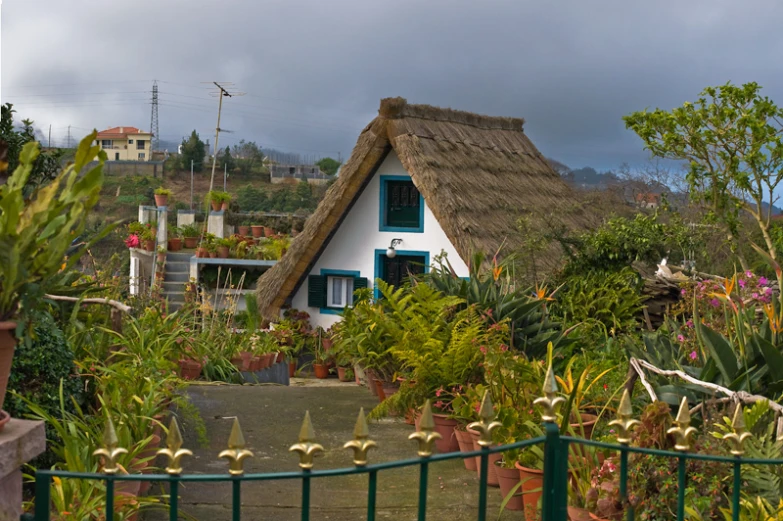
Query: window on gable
x,y
339,292
332,291
402,205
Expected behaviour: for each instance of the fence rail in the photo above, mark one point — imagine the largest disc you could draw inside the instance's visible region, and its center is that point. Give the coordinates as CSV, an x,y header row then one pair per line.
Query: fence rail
x,y
556,447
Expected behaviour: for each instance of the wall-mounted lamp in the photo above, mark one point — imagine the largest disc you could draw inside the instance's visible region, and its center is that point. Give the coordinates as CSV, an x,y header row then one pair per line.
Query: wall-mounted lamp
x,y
390,251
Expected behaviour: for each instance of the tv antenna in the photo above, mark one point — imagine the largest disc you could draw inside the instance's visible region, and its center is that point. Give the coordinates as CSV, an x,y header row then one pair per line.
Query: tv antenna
x,y
222,90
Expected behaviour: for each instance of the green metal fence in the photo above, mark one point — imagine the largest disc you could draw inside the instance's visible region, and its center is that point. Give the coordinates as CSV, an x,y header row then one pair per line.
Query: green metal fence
x,y
555,475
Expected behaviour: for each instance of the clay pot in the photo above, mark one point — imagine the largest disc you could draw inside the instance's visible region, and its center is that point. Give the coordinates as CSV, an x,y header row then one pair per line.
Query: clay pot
x,y
585,429
257,231
379,390
175,244
268,232
326,343
244,231
161,200
216,206
149,244
389,389
270,359
4,418
370,374
445,427
321,371
127,488
579,514
532,483
191,242
7,346
255,364
410,417
224,206
161,257
238,362
212,255
341,374
126,503
201,253
280,357
222,252
508,479
465,442
492,475
189,369
291,369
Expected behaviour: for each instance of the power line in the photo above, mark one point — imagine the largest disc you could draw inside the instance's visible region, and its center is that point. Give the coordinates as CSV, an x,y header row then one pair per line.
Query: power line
x,y
154,118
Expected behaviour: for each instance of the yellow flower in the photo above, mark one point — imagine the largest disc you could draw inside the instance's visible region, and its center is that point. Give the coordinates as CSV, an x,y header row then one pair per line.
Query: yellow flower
x,y
774,319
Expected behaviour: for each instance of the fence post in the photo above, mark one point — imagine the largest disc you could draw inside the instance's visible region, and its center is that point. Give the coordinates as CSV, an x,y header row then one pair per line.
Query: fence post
x,y
43,482
555,489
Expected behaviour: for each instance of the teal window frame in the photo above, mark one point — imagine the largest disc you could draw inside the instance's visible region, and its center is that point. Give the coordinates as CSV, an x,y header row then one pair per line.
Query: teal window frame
x,y
382,226
336,273
380,254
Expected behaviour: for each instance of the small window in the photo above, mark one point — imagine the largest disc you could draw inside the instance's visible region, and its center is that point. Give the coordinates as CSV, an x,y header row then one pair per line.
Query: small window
x,y
401,206
141,155
130,141
106,143
140,144
339,292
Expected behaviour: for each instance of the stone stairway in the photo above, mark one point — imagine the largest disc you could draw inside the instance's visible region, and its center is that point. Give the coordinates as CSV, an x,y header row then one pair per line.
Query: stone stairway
x,y
176,276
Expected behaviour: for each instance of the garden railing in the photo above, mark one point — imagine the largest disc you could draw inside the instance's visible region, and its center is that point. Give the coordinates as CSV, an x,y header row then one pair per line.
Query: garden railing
x,y
555,473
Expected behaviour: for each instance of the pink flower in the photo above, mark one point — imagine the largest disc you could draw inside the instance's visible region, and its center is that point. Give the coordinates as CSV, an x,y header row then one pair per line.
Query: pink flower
x,y
715,302
438,392
132,241
503,347
742,283
763,281
438,404
768,291
749,274
680,338
682,291
483,349
755,295
689,323
693,355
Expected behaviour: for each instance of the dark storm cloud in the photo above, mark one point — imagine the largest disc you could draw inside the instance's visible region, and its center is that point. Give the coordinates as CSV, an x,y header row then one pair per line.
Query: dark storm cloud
x,y
315,70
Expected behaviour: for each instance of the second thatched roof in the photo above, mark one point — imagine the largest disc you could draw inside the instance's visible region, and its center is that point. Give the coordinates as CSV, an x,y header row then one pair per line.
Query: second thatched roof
x,y
478,175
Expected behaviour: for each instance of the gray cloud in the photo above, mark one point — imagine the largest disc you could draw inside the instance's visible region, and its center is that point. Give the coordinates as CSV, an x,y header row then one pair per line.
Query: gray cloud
x,y
314,70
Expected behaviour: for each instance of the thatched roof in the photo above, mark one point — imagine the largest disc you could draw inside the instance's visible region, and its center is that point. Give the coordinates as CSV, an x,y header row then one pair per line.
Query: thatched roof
x,y
478,175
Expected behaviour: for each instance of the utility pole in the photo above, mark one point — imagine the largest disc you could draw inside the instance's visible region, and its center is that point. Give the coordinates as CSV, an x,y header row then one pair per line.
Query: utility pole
x,y
221,92
50,135
155,143
191,184
69,136
225,174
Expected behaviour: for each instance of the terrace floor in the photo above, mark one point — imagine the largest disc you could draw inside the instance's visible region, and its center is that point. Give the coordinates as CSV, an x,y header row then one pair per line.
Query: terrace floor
x,y
271,417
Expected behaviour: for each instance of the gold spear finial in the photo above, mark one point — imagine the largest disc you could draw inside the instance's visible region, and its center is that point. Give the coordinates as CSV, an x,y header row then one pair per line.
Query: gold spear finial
x,y
624,422
738,437
426,434
307,448
110,450
236,452
485,425
550,400
174,451
361,442
683,431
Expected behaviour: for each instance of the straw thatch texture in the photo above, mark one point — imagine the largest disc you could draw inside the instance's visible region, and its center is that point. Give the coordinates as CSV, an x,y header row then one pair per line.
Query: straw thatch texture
x,y
478,175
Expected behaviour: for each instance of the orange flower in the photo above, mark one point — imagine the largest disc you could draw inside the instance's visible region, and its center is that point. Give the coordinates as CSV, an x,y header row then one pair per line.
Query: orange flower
x,y
774,319
541,294
496,271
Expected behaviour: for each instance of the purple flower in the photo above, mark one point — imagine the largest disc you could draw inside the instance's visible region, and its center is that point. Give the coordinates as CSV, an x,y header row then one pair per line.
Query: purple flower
x,y
689,323
682,291
715,302
742,283
768,291
693,355
754,295
763,281
681,338
749,274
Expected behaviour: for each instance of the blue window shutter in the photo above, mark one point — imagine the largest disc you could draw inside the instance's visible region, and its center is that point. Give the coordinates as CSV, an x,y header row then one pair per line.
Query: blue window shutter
x,y
316,291
359,283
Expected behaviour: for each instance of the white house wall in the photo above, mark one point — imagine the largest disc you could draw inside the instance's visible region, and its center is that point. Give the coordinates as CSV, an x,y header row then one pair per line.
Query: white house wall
x,y
353,245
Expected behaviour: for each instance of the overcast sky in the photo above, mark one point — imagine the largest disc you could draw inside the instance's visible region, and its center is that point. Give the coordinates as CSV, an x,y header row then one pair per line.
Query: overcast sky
x,y
315,70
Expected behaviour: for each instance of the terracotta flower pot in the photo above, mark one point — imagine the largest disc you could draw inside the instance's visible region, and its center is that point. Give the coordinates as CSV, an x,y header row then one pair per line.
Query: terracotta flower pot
x,y
341,374
7,346
268,232
191,242
270,359
508,479
222,252
238,362
255,363
371,381
321,371
257,231
149,244
492,476
585,428
532,483
202,253
224,206
175,244
263,362
410,417
212,255
189,369
216,205
280,357
161,200
579,514
244,231
389,389
291,369
161,257
465,442
379,390
445,427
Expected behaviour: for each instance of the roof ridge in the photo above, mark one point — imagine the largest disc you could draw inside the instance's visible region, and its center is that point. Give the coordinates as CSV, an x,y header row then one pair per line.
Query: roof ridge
x,y
399,108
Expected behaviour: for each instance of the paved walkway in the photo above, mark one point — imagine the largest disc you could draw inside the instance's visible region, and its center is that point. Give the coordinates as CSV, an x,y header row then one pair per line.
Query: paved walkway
x,y
271,417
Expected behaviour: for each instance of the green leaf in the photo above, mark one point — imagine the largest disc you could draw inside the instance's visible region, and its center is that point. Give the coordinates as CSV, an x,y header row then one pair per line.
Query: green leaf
x,y
721,351
771,355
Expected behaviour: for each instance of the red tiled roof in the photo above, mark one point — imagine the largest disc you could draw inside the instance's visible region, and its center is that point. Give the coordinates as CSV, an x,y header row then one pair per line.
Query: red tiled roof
x,y
119,132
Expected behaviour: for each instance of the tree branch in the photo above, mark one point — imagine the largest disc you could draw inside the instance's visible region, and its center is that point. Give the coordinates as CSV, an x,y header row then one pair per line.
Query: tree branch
x,y
109,302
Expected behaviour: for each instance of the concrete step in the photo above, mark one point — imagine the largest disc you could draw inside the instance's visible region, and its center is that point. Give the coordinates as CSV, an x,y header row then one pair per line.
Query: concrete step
x,y
178,277
175,306
177,256
173,285
177,267
174,296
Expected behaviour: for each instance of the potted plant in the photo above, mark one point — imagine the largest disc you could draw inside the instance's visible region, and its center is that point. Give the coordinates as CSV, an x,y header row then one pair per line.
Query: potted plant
x,y
175,241
161,255
162,196
244,229
223,247
211,249
219,200
320,366
190,232
257,230
530,465
52,217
